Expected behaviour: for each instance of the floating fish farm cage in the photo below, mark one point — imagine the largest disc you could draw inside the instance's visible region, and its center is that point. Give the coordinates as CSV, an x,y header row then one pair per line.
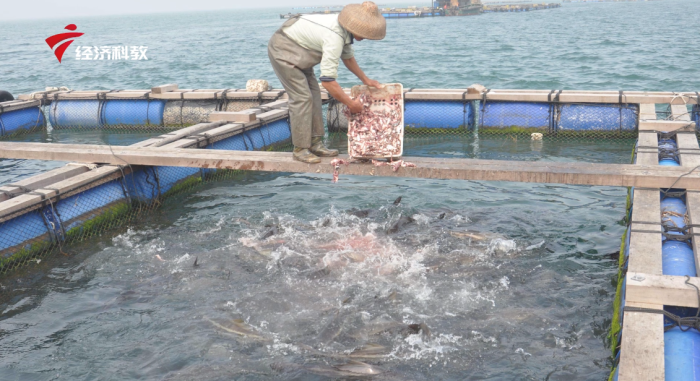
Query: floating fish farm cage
x,y
655,319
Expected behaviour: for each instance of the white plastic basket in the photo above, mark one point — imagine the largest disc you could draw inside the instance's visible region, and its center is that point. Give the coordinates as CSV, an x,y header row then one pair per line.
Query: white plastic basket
x,y
383,101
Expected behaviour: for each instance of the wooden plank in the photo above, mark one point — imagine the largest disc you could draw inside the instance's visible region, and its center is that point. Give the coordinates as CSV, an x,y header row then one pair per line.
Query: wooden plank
x,y
572,96
647,111
642,347
179,134
21,202
18,105
661,290
164,88
42,180
666,125
435,168
240,117
126,94
646,155
689,151
692,202
680,112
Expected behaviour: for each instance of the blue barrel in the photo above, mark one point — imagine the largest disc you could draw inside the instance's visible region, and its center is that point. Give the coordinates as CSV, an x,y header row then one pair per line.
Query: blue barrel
x,y
668,162
682,355
678,259
168,177
439,114
130,112
23,119
22,229
591,117
91,200
75,114
275,132
515,114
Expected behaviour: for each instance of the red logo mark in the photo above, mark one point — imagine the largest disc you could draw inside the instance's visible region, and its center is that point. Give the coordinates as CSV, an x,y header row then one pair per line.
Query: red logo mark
x,y
58,41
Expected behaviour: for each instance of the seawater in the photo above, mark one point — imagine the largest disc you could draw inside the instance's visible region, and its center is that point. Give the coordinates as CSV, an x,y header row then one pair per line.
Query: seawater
x,y
515,281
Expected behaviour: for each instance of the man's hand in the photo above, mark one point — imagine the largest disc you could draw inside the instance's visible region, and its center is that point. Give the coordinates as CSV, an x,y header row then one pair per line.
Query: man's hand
x,y
373,83
355,106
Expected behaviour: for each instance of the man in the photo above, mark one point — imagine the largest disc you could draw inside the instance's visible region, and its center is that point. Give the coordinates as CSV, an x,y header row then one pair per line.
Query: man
x,y
306,41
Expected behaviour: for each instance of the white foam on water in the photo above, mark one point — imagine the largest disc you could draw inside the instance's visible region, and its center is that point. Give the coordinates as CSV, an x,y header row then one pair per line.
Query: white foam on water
x,y
505,282
535,246
422,219
217,227
414,347
501,246
184,258
460,218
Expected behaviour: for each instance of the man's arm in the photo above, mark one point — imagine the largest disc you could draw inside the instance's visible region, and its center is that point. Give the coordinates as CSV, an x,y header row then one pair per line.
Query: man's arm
x,y
352,65
337,92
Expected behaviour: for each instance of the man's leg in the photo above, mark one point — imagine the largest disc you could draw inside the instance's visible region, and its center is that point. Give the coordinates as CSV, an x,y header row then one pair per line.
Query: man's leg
x,y
317,128
300,98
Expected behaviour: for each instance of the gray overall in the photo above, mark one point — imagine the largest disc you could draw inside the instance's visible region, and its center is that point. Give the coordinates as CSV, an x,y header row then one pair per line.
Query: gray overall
x,y
294,66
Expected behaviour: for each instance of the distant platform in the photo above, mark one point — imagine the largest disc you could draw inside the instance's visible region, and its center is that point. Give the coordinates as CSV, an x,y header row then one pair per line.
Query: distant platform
x,y
519,7
386,12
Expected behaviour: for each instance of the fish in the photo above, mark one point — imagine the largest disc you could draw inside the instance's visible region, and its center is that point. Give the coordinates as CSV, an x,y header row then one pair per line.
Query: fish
x,y
392,327
269,233
398,225
195,262
398,200
351,369
237,327
368,351
357,367
332,329
441,216
360,213
468,235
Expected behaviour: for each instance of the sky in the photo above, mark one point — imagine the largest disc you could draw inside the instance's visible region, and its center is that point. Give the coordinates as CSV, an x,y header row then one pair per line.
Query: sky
x,y
43,9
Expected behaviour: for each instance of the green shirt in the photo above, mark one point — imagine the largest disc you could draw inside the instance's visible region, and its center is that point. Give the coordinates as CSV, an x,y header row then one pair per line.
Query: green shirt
x,y
323,33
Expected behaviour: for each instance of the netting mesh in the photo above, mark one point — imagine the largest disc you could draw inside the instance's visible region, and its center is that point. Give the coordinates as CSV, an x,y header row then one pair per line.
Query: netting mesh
x,y
139,114
118,198
492,130
555,120
22,121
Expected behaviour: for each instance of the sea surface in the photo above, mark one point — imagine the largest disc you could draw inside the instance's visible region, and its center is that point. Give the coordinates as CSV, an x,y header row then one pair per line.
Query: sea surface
x,y
298,277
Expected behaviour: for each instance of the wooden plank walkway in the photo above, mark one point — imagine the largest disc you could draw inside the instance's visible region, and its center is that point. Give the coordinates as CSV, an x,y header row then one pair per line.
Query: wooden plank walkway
x,y
645,176
642,345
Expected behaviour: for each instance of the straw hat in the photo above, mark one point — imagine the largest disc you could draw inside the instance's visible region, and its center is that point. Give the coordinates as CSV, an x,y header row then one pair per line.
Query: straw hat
x,y
363,20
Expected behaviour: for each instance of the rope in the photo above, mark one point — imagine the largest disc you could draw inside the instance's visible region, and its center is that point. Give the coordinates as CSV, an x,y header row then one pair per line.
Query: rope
x,y
54,213
483,106
680,177
279,95
464,105
264,122
182,104
2,124
148,108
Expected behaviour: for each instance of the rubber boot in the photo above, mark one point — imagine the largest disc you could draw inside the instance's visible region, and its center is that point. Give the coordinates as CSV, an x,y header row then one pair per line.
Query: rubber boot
x,y
320,149
305,156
